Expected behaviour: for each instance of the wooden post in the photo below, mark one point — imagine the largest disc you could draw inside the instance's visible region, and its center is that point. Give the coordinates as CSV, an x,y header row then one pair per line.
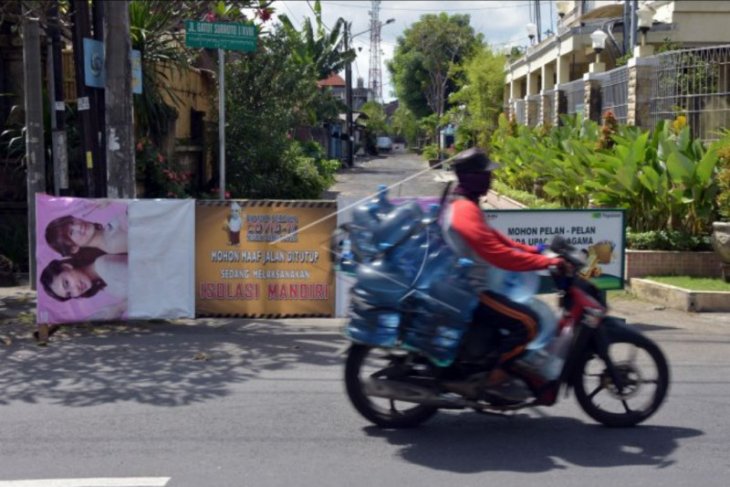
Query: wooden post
x,y
118,100
58,105
81,30
35,150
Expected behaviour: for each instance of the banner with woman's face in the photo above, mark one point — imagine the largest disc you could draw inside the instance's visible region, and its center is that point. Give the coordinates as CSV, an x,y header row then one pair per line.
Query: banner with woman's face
x,y
82,259
100,259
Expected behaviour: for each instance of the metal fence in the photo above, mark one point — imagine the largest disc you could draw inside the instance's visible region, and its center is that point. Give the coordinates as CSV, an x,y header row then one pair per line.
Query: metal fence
x,y
574,96
615,92
694,83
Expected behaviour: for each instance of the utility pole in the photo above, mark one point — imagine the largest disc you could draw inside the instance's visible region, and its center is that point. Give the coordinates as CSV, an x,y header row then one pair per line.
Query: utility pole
x,y
634,24
118,100
35,155
81,30
97,111
58,105
374,72
349,156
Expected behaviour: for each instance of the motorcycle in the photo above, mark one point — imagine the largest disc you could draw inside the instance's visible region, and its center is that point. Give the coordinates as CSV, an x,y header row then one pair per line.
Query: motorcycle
x,y
620,377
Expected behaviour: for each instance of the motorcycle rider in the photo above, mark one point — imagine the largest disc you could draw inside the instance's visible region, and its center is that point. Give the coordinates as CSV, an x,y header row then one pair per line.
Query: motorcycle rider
x,y
469,235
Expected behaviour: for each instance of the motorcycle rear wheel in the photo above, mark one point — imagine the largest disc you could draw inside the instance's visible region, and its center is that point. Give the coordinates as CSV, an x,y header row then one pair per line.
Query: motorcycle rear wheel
x,y
364,362
644,374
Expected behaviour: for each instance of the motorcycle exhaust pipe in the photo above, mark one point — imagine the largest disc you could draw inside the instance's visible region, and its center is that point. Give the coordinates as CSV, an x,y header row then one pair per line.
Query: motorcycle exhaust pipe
x,y
403,391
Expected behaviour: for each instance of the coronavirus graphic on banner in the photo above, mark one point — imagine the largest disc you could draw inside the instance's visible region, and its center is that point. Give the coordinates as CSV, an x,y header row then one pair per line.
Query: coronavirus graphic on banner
x,y
264,258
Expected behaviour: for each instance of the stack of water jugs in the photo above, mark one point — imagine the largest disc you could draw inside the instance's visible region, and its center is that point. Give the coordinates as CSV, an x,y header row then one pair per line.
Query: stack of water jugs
x,y
411,290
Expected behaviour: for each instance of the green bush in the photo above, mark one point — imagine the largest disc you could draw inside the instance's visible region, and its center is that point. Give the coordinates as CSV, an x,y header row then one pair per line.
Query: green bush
x,y
667,240
723,177
430,152
664,179
296,176
160,177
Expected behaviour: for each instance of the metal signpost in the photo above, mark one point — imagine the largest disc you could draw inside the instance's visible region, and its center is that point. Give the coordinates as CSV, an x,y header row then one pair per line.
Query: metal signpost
x,y
221,36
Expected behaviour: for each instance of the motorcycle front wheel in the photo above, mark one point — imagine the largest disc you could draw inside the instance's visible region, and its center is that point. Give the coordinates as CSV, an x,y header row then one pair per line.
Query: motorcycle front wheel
x,y
643,373
365,362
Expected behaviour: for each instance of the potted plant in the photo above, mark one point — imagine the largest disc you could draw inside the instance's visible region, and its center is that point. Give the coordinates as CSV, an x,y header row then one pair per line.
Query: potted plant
x,y
721,229
431,154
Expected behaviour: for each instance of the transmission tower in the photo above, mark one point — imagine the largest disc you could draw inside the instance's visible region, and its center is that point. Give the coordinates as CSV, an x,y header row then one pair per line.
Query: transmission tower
x,y
375,75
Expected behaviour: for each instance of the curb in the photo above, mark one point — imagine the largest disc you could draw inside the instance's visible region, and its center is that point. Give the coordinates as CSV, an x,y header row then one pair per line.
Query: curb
x,y
679,298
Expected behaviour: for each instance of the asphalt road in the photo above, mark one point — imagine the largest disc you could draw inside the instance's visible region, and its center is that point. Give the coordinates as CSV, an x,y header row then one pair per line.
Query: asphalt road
x,y
261,403
406,174
240,403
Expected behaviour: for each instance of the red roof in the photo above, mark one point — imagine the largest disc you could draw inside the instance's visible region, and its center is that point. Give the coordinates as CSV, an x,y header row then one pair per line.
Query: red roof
x,y
334,80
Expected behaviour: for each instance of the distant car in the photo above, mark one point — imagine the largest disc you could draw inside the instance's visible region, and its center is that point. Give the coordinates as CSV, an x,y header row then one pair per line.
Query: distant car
x,y
385,144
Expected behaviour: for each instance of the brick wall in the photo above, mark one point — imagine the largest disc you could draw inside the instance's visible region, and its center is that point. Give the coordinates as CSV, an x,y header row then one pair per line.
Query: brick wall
x,y
641,263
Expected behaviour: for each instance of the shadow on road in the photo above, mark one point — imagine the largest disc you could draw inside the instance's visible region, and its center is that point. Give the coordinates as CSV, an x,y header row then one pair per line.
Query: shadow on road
x,y
467,443
160,364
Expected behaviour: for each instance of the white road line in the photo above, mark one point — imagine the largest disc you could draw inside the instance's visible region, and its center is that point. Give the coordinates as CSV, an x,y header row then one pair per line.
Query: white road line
x,y
93,482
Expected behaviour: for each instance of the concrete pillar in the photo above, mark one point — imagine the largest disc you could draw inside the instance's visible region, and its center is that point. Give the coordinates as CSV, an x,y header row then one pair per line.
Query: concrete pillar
x,y
641,78
591,98
561,106
548,73
563,70
532,111
535,83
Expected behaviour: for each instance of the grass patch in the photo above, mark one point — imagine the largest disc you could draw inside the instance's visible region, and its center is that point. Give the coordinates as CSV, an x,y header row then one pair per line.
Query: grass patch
x,y
693,283
528,199
622,294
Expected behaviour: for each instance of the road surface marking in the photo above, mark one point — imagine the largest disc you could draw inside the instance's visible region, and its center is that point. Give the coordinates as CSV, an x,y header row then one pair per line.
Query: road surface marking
x,y
93,482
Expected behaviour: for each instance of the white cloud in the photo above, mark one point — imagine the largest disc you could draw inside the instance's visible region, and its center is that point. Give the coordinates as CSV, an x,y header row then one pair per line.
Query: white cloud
x,y
502,22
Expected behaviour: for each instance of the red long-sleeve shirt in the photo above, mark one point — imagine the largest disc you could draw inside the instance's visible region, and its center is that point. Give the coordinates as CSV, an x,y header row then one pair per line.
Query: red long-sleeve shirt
x,y
492,246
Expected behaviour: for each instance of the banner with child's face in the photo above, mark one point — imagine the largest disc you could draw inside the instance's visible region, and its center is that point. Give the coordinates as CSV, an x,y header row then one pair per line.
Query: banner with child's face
x,y
100,259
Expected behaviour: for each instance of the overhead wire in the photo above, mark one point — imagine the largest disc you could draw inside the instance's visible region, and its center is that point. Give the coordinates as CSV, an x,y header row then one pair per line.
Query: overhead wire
x,y
468,9
291,14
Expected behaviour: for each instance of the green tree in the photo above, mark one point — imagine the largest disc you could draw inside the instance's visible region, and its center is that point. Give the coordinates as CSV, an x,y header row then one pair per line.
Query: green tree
x,y
405,124
376,117
423,65
314,45
481,94
376,124
269,94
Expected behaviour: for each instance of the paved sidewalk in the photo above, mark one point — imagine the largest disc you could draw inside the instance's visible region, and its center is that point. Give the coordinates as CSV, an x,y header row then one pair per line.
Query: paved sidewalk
x,y
17,319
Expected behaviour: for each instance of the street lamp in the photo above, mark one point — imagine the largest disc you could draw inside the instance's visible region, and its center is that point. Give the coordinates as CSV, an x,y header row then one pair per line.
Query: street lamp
x,y
645,19
598,40
531,31
562,7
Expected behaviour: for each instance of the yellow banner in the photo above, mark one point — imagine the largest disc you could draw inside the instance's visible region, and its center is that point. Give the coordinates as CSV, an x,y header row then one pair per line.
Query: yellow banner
x,y
264,258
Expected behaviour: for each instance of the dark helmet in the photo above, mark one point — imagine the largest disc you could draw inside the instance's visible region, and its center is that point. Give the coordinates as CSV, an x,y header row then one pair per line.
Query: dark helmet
x,y
474,171
472,160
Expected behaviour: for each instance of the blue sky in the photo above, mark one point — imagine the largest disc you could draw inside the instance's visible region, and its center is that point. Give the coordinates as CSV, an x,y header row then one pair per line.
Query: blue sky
x,y
502,22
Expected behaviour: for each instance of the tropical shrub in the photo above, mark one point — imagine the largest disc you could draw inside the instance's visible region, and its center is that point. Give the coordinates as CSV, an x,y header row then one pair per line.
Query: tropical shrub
x,y
665,178
723,177
159,176
430,152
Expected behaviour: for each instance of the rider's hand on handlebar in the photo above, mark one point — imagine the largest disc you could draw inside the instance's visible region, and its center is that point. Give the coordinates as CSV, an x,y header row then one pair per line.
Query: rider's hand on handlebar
x,y
564,267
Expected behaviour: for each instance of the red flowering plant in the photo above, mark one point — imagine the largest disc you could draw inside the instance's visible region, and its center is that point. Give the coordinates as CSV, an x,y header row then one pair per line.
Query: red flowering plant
x,y
160,177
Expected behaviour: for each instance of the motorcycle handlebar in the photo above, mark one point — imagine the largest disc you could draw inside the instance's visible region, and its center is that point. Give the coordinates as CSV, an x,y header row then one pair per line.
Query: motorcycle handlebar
x,y
562,248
